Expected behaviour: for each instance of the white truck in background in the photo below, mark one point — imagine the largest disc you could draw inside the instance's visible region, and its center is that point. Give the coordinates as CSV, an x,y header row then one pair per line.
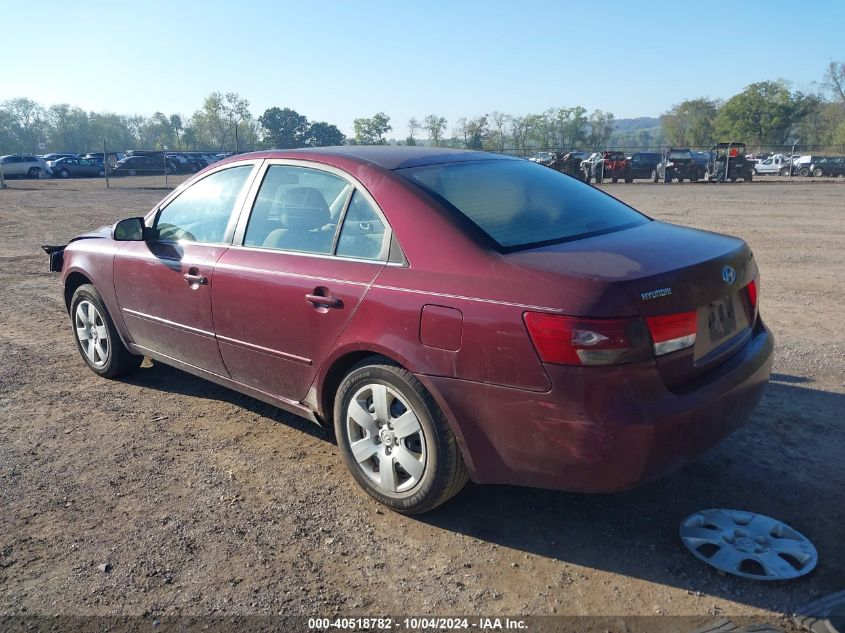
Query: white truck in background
x,y
772,166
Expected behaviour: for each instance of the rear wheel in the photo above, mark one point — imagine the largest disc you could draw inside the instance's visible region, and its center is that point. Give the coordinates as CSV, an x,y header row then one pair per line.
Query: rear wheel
x,y
680,179
96,338
64,173
34,172
101,173
818,173
804,171
394,438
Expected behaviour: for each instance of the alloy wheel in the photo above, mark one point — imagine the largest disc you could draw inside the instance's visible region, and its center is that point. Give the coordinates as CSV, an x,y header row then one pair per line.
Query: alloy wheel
x,y
92,333
386,438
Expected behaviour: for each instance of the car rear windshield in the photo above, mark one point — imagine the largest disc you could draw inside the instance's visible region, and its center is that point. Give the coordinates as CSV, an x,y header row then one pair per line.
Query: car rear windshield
x,y
680,153
520,204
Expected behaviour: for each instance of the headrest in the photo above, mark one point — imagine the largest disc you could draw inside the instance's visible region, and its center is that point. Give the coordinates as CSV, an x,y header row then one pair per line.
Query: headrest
x,y
304,209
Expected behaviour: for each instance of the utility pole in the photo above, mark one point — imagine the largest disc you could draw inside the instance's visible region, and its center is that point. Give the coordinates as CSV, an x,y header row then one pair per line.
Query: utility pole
x,y
2,178
106,163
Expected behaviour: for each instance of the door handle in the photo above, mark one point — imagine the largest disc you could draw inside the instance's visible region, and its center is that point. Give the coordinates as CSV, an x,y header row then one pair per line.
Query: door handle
x,y
324,302
195,279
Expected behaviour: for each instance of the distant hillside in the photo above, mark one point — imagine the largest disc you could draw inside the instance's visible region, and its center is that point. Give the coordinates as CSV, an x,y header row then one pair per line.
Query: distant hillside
x,y
632,125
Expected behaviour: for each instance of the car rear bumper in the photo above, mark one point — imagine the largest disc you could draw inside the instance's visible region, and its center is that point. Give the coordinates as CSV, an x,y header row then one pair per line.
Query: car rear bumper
x,y
601,429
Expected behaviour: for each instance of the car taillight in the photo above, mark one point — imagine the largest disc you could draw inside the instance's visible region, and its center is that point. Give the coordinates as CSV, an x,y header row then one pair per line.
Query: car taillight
x,y
565,340
671,332
751,289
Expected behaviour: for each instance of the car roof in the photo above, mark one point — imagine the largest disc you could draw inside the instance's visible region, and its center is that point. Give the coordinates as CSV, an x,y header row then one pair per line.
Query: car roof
x,y
386,156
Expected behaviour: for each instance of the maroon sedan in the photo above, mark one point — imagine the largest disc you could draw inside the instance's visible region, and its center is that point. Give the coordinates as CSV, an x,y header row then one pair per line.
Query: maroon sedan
x,y
453,314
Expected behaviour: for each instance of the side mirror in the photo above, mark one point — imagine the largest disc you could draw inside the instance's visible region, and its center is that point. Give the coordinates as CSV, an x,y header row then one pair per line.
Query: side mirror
x,y
129,230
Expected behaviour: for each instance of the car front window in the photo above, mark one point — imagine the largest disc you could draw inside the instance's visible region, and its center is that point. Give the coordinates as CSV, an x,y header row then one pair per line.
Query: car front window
x,y
201,213
520,204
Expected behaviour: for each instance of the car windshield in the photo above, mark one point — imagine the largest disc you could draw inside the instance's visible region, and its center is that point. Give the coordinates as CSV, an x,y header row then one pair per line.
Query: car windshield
x,y
519,204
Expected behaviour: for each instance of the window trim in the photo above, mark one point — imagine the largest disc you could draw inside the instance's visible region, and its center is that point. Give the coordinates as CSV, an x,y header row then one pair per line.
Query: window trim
x,y
152,218
249,203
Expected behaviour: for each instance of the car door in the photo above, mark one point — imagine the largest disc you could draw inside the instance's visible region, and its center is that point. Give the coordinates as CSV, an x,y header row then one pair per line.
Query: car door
x,y
86,168
164,284
13,166
302,261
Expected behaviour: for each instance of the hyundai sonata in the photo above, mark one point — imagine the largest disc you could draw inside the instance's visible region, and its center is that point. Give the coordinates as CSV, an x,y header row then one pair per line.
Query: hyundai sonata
x,y
452,315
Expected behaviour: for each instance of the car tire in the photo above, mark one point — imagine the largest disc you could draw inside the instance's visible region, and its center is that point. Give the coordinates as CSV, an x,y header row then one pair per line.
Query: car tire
x,y
818,173
654,177
101,173
750,177
680,179
426,465
804,172
131,172
64,173
34,172
92,326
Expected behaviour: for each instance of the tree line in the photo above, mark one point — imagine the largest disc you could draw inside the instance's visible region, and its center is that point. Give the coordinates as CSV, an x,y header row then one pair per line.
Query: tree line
x,y
767,113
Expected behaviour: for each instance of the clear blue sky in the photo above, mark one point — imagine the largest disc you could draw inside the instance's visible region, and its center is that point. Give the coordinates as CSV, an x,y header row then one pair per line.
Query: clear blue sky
x,y
337,60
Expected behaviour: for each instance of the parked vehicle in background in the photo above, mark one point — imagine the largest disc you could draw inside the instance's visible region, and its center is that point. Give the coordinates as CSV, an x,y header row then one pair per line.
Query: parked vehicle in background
x,y
543,158
591,167
801,165
58,155
828,166
678,164
20,166
774,165
76,168
569,164
701,160
186,164
141,166
617,167
644,163
556,338
728,163
99,157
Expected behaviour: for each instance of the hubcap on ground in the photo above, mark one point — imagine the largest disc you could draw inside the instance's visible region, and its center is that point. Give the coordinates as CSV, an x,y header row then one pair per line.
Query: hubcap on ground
x,y
92,333
386,438
748,545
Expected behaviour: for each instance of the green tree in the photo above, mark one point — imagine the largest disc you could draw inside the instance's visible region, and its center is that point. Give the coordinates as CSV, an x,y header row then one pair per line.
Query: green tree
x,y
435,126
284,128
322,134
371,131
27,123
765,113
571,126
690,123
215,122
176,124
601,127
413,128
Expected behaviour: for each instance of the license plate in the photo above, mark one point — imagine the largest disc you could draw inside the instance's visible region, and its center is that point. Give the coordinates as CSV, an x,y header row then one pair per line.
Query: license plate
x,y
721,319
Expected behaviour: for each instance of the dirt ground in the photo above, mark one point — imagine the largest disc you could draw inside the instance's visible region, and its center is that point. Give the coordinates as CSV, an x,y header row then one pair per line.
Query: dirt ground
x,y
203,501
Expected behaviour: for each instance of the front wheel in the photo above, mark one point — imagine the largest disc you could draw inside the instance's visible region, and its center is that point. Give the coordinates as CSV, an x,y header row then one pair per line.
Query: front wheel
x,y
818,173
96,338
395,440
64,173
654,177
101,173
34,172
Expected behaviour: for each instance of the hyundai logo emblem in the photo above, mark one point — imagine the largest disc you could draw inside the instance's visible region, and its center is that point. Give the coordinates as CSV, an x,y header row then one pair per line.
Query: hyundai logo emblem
x,y
728,274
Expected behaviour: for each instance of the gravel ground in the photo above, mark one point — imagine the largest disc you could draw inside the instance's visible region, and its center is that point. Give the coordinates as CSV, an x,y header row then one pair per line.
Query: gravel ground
x,y
164,495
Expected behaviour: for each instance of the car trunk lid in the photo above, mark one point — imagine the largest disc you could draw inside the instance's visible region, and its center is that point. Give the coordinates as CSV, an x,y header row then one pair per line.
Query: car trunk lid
x,y
657,269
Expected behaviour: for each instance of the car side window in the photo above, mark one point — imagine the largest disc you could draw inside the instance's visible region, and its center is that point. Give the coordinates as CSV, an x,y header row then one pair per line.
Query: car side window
x,y
297,209
201,212
363,233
